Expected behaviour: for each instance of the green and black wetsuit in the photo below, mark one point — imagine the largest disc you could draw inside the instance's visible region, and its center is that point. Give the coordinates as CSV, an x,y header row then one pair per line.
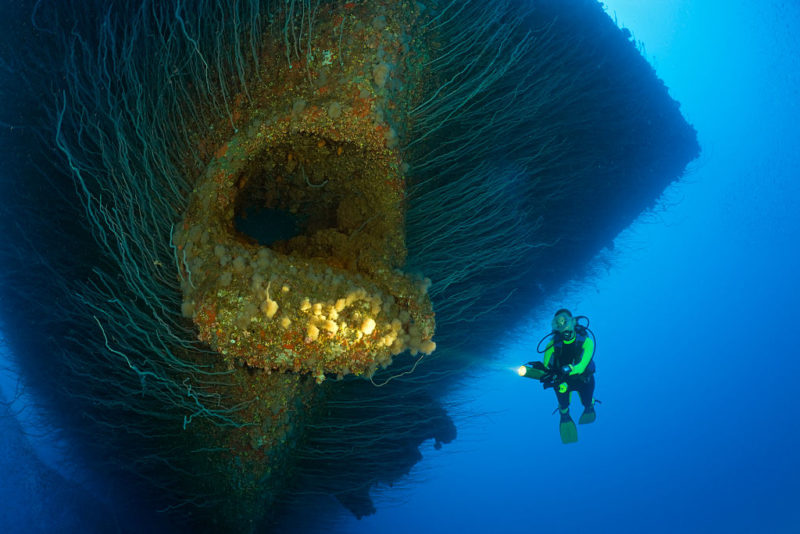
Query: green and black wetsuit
x,y
577,354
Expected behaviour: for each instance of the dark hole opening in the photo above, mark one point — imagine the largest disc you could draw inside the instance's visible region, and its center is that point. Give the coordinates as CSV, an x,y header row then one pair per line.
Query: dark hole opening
x,y
290,191
268,225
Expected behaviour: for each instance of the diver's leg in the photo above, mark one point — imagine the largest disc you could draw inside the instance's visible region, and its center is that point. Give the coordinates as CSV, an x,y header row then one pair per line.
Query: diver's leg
x,y
586,392
566,426
563,400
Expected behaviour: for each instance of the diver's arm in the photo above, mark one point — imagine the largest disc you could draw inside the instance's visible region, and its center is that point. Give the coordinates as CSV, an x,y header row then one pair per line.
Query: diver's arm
x,y
548,354
586,357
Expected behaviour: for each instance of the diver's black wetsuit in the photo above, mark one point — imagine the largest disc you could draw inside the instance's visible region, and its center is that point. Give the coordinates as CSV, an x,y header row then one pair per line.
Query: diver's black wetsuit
x,y
583,384
577,354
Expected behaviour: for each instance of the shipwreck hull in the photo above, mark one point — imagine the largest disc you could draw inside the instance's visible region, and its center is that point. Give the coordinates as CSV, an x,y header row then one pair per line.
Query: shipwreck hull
x,y
249,247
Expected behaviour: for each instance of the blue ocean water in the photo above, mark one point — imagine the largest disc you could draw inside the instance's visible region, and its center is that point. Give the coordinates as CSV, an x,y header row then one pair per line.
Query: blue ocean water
x,y
694,316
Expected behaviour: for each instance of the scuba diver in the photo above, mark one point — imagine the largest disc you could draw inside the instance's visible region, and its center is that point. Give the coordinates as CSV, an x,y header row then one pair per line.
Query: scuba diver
x,y
567,366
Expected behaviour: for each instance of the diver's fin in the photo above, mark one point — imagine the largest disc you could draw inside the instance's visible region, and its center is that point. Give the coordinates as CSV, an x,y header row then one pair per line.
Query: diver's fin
x,y
567,429
588,415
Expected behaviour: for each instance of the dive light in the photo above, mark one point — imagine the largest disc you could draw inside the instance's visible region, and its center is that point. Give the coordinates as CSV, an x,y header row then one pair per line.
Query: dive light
x,y
532,370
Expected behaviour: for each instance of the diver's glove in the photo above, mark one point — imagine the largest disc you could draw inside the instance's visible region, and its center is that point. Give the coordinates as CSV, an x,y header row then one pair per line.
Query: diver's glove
x,y
560,374
552,378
